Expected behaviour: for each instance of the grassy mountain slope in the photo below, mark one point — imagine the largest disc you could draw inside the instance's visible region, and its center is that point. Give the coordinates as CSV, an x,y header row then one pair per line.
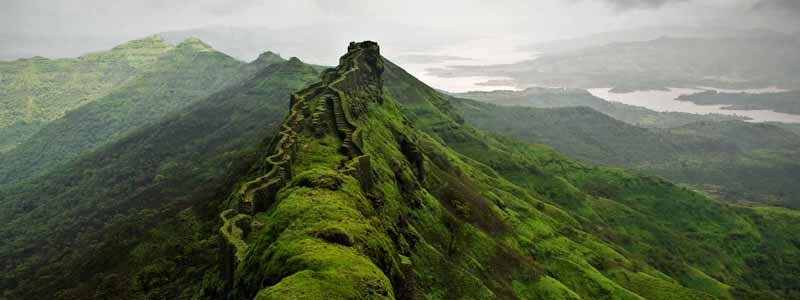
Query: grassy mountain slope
x,y
180,76
374,189
579,132
790,127
556,97
133,219
36,91
739,161
750,161
723,250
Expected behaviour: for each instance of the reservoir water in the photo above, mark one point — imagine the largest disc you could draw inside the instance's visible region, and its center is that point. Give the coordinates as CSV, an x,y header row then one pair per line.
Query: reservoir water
x,y
505,51
666,101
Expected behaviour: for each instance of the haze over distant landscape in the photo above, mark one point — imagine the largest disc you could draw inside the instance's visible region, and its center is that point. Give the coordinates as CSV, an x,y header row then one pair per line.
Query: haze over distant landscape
x,y
499,32
63,28
376,149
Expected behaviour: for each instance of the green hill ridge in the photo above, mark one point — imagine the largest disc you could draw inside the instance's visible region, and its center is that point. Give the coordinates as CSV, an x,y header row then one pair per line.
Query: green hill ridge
x,y
734,160
135,221
373,186
37,90
181,75
374,189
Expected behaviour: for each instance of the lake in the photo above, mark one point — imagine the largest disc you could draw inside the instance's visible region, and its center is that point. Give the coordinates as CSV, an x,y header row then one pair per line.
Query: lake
x,y
504,51
665,101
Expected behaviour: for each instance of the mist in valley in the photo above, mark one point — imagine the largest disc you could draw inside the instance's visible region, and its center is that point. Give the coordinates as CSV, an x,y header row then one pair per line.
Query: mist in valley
x,y
353,149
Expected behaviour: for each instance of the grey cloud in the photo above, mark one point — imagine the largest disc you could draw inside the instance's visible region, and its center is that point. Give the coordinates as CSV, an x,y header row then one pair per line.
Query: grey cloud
x,y
641,4
785,6
70,27
430,58
228,8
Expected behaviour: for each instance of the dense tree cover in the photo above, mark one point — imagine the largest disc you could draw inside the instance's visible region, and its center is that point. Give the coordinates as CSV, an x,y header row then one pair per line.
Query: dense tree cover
x,y
450,212
790,127
438,210
735,160
37,90
135,219
180,76
725,251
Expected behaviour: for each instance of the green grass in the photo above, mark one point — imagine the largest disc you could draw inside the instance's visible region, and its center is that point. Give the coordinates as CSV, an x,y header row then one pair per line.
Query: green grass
x,y
712,246
40,90
731,160
443,210
175,79
83,226
484,218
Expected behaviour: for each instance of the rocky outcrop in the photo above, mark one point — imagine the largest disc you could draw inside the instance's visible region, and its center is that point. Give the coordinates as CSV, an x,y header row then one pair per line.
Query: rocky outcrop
x,y
334,106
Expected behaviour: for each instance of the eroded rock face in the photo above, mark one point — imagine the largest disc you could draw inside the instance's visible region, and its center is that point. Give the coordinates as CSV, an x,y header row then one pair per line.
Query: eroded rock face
x,y
335,196
311,198
352,201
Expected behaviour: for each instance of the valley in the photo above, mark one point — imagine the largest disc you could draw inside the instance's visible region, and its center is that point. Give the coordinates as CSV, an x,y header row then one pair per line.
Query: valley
x,y
610,150
745,62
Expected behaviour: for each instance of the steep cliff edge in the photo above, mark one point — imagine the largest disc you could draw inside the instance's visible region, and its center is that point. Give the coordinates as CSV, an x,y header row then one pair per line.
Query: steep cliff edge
x,y
305,227
327,214
353,202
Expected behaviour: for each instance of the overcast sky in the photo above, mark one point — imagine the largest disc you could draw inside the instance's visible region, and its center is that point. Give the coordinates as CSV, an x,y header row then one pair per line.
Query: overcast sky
x,y
522,20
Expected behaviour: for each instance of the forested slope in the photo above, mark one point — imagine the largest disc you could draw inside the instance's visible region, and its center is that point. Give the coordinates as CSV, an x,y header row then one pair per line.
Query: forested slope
x,y
134,219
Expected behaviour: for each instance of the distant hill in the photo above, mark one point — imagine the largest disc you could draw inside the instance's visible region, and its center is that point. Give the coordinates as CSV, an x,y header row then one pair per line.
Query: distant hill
x,y
311,44
790,127
620,208
376,189
174,80
53,45
37,90
641,35
732,62
785,102
134,217
361,182
737,161
560,97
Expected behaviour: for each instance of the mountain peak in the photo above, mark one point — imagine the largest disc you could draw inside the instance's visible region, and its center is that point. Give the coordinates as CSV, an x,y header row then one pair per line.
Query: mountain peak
x,y
337,195
295,61
195,44
368,52
268,57
369,45
331,106
151,42
365,57
321,153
